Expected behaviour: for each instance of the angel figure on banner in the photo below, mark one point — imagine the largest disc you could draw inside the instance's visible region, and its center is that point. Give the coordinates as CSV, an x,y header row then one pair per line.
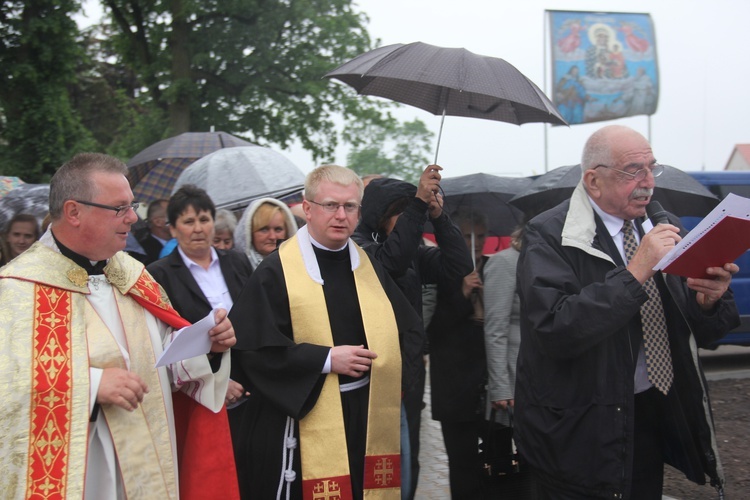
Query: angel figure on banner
x,y
571,41
635,42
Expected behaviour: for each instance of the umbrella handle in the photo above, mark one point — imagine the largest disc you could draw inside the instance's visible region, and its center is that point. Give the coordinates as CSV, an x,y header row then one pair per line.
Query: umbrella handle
x,y
440,134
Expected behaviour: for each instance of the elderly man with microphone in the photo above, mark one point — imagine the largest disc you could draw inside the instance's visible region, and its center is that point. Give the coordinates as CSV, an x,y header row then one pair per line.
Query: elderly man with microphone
x,y
609,384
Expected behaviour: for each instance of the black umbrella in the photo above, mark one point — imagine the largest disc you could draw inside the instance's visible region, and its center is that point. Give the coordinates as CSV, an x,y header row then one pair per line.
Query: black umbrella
x,y
548,190
448,81
154,170
677,191
30,199
487,194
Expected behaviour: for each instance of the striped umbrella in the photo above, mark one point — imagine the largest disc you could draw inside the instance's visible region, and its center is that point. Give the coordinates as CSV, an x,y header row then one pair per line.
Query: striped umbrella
x,y
154,170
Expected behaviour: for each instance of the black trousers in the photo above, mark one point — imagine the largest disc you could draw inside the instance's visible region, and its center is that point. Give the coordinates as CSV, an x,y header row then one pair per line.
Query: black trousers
x,y
462,447
648,446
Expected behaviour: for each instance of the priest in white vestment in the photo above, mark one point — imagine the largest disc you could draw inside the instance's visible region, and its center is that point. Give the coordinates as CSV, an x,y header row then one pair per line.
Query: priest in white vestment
x,y
86,413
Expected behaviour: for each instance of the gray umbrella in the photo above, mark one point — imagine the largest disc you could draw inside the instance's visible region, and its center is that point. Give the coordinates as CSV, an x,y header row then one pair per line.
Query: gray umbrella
x,y
448,81
234,177
25,199
677,191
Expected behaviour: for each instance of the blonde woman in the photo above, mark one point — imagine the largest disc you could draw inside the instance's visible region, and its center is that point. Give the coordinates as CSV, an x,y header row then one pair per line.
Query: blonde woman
x,y
264,225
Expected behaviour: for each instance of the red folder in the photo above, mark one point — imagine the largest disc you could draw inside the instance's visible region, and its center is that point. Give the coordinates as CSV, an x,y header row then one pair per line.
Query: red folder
x,y
724,242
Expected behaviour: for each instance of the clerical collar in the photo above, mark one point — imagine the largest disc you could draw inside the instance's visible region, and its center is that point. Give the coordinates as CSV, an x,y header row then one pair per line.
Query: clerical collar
x,y
92,268
322,247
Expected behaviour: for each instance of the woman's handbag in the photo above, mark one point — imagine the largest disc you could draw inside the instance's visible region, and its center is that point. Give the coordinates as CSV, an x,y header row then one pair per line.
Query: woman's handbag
x,y
497,452
500,464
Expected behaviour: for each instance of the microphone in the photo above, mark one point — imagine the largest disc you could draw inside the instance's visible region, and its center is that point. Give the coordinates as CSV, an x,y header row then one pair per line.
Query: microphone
x,y
656,213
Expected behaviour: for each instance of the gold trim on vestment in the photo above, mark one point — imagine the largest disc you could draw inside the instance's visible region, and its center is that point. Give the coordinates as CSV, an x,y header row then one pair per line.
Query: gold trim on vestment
x,y
322,437
52,370
43,268
143,434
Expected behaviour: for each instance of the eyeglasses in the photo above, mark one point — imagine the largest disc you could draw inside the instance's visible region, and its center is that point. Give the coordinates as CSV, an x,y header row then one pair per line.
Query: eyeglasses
x,y
655,169
333,207
119,211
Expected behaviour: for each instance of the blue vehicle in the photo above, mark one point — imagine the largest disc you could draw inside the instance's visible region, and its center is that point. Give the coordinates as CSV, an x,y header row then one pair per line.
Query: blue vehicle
x,y
722,183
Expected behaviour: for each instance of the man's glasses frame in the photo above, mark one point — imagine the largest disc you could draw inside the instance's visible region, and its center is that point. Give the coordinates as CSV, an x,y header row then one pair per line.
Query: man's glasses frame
x,y
119,211
333,207
656,170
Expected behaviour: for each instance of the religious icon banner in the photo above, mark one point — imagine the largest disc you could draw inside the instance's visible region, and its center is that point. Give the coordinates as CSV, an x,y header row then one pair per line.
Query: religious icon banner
x,y
604,65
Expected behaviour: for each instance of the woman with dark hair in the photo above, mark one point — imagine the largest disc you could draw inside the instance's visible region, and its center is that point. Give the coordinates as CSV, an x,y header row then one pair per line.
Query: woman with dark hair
x,y
196,276
20,233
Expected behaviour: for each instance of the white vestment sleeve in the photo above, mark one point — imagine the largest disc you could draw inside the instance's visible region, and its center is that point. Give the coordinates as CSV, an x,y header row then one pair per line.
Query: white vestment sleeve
x,y
194,376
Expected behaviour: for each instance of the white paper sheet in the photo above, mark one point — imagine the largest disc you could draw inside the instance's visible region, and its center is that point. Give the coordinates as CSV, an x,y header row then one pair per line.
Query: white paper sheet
x,y
189,342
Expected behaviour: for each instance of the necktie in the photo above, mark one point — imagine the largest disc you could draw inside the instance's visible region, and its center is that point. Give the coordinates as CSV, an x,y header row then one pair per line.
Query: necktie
x,y
655,339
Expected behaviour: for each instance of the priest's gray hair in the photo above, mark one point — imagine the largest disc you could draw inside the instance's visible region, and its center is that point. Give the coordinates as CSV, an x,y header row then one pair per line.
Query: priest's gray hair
x,y
73,181
335,174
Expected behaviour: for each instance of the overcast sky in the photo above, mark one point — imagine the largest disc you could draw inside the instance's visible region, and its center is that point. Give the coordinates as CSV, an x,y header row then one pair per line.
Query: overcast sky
x,y
704,71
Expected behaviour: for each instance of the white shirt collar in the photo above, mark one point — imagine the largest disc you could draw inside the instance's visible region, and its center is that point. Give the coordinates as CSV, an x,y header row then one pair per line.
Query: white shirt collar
x,y
190,262
611,222
614,224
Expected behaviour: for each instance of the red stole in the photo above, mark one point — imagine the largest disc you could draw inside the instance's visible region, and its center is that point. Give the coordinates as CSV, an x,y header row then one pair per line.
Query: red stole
x,y
204,444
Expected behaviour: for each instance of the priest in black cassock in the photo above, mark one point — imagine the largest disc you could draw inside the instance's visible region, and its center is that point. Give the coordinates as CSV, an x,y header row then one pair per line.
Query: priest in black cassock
x,y
319,334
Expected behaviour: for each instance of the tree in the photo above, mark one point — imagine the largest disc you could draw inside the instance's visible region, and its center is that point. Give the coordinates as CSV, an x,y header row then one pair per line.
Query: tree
x,y
399,150
249,67
39,129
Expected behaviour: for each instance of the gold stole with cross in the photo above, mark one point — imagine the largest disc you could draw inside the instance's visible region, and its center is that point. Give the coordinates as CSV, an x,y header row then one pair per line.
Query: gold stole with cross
x,y
325,464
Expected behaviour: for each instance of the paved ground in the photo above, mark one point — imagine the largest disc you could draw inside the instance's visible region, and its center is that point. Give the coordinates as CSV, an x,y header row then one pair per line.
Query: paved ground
x,y
433,479
433,476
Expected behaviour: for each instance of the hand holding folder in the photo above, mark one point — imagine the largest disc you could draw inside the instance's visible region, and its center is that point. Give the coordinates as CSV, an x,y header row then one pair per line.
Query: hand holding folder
x,y
721,237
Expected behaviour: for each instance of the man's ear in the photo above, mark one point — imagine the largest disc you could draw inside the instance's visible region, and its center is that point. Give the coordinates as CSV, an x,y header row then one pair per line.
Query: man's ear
x,y
592,183
71,213
306,208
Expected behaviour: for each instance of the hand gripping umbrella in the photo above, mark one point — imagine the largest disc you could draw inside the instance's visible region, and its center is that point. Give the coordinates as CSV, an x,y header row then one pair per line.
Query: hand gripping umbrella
x,y
448,81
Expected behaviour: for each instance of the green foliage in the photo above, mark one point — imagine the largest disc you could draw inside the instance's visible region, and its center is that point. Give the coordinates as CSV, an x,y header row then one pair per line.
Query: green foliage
x,y
156,68
38,52
398,150
252,68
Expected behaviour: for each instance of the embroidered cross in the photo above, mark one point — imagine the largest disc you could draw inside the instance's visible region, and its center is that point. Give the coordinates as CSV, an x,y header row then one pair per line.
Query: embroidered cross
x,y
384,471
326,490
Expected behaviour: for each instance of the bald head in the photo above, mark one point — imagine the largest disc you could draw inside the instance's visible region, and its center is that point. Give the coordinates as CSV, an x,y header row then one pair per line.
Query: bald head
x,y
614,162
604,145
